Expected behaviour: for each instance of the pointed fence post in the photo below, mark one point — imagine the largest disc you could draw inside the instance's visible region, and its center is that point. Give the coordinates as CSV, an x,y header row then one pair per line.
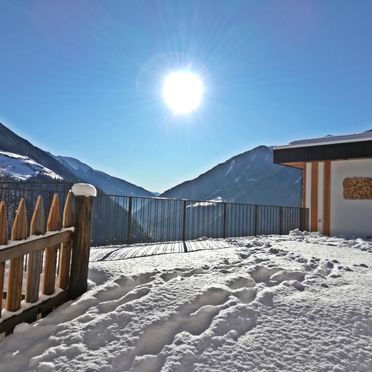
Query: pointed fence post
x,y
3,240
84,194
35,259
65,253
19,232
50,256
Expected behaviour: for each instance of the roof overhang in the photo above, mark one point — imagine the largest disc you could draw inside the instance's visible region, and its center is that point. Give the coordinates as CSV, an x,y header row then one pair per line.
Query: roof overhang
x,y
301,152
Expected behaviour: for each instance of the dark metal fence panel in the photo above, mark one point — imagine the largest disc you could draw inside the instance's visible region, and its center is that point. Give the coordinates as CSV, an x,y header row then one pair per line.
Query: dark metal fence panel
x,y
131,219
158,220
110,219
204,219
240,220
11,192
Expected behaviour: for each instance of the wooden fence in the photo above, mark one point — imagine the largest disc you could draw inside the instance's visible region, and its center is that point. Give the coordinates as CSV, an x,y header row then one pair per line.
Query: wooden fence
x,y
48,265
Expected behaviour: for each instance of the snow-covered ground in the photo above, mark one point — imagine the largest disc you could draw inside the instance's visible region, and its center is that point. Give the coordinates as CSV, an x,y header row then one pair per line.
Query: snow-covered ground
x,y
291,303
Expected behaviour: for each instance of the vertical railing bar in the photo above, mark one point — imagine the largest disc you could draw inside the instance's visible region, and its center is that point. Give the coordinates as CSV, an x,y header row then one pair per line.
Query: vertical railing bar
x,y
146,228
115,222
224,220
184,226
255,220
129,231
169,219
123,215
155,230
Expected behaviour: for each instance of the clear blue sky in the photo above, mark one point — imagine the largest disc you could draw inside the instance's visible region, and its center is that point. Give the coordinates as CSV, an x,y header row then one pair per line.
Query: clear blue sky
x,y
83,78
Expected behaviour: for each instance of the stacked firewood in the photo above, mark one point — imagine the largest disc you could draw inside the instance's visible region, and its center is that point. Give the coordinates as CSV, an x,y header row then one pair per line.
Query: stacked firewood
x,y
357,188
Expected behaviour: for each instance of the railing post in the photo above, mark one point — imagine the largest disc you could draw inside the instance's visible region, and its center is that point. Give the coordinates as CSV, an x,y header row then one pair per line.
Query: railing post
x,y
84,194
129,230
255,220
184,221
280,220
224,219
304,219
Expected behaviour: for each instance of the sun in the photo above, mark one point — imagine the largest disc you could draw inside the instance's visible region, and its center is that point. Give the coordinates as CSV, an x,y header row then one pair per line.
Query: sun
x,y
183,91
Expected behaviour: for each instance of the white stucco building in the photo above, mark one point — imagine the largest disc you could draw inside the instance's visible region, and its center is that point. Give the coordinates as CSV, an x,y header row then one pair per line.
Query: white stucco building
x,y
337,181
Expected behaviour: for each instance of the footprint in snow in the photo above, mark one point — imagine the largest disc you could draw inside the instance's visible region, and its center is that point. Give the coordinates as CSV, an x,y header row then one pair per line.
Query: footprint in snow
x,y
194,318
245,295
241,282
111,305
169,275
120,287
261,273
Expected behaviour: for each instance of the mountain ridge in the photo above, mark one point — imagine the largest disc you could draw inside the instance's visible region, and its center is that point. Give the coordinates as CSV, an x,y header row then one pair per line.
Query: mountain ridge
x,y
109,184
11,142
211,169
249,177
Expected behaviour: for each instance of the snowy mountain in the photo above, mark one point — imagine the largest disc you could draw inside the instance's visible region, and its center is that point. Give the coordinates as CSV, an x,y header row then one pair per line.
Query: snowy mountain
x,y
20,160
23,168
11,142
107,183
250,177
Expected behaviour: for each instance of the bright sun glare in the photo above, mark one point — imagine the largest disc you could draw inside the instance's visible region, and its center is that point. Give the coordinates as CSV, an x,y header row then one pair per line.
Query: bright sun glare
x,y
182,91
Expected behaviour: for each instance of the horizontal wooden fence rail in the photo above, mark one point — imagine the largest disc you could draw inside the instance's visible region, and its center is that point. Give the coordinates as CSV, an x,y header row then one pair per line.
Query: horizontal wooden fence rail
x,y
39,262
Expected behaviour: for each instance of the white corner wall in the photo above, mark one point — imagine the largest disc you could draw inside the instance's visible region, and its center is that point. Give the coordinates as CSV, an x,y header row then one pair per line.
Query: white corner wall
x,y
351,218
320,195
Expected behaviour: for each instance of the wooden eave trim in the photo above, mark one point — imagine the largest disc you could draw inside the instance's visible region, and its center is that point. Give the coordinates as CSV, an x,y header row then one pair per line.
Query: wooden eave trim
x,y
299,165
314,195
327,198
304,187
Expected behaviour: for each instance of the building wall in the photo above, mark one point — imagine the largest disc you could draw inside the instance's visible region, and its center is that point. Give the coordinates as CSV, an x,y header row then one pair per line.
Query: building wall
x,y
350,217
347,217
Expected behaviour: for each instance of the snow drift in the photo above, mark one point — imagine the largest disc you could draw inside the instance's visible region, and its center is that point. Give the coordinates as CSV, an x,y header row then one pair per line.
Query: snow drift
x,y
295,303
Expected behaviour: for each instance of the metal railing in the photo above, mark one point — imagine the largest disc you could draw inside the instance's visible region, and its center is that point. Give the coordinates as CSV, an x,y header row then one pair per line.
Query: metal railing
x,y
143,219
132,219
12,191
